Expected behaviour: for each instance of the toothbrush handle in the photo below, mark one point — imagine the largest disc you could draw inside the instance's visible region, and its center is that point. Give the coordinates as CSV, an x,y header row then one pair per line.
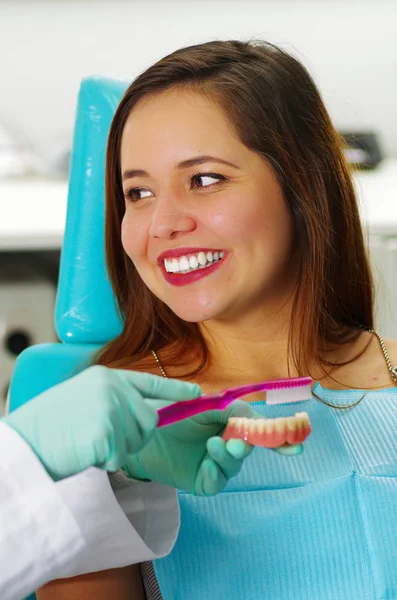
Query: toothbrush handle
x,y
188,408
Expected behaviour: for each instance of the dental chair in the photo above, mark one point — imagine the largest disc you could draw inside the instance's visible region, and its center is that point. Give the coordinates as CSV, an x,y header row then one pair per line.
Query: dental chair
x,y
85,313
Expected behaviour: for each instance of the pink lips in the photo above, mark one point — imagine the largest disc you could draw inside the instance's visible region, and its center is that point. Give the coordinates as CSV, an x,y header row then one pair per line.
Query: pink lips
x,y
179,279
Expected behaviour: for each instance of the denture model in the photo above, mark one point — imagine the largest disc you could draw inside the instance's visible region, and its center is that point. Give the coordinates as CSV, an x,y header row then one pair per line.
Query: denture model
x,y
269,433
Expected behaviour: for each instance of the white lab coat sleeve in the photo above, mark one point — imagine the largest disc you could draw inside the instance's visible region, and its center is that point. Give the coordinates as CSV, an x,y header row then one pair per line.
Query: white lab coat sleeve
x,y
38,533
78,525
123,521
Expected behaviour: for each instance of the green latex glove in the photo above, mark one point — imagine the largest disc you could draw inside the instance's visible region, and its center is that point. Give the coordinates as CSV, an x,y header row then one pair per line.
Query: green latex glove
x,y
96,418
188,455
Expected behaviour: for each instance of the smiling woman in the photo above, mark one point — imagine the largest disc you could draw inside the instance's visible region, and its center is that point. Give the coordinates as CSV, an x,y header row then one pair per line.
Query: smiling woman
x,y
236,254
172,210
227,147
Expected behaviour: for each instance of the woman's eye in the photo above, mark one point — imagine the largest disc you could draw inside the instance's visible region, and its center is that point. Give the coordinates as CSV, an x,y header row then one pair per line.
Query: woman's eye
x,y
206,179
135,194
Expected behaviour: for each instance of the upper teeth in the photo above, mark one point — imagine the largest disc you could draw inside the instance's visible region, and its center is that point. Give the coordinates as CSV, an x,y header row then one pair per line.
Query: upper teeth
x,y
191,262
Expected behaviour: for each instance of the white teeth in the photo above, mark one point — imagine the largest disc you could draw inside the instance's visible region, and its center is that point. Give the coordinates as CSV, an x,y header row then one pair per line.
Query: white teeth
x,y
240,422
269,426
184,263
201,260
302,419
193,262
291,423
260,425
280,424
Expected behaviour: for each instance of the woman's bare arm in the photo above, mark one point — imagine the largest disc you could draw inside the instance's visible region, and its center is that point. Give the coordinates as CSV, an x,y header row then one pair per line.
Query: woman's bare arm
x,y
123,584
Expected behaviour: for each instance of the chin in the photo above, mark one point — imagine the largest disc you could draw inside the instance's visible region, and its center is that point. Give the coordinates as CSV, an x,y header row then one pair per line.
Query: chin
x,y
192,314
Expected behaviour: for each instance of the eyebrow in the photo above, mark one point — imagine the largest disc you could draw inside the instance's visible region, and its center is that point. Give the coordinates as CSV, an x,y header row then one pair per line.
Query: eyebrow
x,y
185,164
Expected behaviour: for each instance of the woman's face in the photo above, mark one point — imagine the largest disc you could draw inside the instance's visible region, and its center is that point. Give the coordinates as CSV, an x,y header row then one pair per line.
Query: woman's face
x,y
205,223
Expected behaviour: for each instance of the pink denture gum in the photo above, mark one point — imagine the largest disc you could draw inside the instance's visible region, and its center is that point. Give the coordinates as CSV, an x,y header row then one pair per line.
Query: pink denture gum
x,y
269,433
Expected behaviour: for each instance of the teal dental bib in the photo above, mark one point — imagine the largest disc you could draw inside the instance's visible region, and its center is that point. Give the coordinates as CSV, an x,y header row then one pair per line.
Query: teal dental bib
x,y
318,526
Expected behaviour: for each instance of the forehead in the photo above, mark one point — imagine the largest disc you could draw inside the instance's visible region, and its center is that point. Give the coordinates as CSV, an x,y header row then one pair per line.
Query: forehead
x,y
177,121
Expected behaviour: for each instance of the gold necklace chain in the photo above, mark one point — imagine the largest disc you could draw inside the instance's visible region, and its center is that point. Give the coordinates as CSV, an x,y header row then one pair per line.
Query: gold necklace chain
x,y
392,370
160,366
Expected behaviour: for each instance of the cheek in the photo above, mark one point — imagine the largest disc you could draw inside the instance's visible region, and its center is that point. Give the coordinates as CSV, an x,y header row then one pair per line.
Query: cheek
x,y
228,222
242,226
273,218
265,230
134,238
254,219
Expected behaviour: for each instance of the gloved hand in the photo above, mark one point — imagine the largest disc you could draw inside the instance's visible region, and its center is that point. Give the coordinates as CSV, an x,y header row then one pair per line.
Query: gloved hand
x,y
189,455
96,418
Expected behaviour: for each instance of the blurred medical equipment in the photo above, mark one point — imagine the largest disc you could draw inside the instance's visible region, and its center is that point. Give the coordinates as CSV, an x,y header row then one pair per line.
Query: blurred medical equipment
x,y
13,159
26,314
20,160
377,197
362,149
17,159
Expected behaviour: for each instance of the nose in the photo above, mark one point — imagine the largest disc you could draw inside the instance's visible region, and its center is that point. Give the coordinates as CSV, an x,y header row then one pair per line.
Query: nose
x,y
170,219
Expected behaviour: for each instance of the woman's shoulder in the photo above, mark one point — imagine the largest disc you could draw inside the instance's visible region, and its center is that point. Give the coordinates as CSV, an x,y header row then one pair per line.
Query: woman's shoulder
x,y
390,347
382,353
365,365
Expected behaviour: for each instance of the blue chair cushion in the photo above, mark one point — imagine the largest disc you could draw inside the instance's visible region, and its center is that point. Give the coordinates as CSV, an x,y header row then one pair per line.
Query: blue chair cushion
x,y
85,308
42,366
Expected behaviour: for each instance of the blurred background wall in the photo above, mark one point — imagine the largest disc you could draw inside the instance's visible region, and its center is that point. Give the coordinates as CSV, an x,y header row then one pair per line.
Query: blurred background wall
x,y
46,48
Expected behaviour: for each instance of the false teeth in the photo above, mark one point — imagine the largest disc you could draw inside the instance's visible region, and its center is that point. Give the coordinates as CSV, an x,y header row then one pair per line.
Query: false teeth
x,y
270,433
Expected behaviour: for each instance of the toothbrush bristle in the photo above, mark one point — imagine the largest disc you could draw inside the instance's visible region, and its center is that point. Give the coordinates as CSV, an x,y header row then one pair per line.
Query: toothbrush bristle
x,y
282,384
288,395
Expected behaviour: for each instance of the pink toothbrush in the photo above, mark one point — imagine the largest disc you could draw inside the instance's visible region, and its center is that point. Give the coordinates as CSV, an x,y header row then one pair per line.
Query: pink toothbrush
x,y
278,391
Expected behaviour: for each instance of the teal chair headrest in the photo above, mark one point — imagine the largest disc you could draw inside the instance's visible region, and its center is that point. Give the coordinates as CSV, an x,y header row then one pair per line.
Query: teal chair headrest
x,y
85,308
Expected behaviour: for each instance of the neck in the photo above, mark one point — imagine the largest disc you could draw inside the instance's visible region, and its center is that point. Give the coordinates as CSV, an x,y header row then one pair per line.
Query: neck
x,y
250,348
254,347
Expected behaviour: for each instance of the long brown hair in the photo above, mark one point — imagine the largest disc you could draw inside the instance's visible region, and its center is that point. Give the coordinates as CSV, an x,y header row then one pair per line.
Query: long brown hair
x,y
276,110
